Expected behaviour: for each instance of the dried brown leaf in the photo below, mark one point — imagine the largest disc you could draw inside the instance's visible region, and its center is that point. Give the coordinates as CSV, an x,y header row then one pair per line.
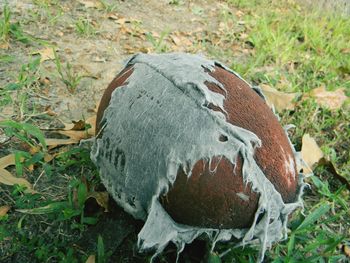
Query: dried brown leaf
x,y
46,54
75,131
52,143
113,16
346,250
45,81
175,39
75,135
239,13
90,3
91,259
345,50
4,45
101,198
7,161
7,178
121,21
49,157
181,40
75,126
310,152
4,209
330,99
278,99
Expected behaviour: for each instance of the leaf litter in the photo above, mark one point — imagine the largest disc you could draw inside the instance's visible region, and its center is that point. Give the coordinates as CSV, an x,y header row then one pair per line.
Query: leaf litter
x,y
329,99
176,40
7,178
4,209
310,152
279,100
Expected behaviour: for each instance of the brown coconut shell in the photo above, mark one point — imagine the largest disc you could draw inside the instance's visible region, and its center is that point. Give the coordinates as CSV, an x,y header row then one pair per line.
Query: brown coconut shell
x,y
222,199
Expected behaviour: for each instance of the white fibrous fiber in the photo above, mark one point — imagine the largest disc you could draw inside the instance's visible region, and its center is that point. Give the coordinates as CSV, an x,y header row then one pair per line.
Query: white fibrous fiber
x,y
155,125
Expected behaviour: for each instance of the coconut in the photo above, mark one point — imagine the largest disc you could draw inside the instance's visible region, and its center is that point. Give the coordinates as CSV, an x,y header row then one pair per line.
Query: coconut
x,y
188,146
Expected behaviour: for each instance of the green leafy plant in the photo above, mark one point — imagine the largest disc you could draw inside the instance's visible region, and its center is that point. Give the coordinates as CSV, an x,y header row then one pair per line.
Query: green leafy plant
x,y
67,74
107,7
17,92
25,132
6,58
5,25
84,27
159,45
12,30
101,256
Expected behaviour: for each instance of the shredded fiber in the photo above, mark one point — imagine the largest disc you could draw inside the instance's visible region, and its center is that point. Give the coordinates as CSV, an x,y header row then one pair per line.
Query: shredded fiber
x,y
156,124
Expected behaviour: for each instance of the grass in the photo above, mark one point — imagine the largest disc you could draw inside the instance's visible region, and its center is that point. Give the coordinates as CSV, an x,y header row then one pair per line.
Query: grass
x,y
159,45
315,44
278,44
5,25
108,7
67,74
17,92
46,14
84,27
10,30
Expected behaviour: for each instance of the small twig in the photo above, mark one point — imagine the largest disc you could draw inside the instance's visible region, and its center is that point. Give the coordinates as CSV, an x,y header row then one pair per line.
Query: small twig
x,y
37,180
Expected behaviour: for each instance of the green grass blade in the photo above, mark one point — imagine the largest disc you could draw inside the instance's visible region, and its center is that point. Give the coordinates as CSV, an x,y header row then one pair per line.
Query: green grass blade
x,y
314,216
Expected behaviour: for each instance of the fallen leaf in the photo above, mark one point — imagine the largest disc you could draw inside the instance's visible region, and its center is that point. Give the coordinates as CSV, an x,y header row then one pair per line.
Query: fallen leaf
x,y
176,40
90,3
75,135
34,149
310,152
75,125
49,111
113,16
75,131
131,49
45,81
60,34
346,250
121,21
278,99
330,99
181,40
244,36
49,157
239,13
345,50
4,45
98,59
7,161
91,259
101,198
7,178
4,209
50,208
52,143
45,54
